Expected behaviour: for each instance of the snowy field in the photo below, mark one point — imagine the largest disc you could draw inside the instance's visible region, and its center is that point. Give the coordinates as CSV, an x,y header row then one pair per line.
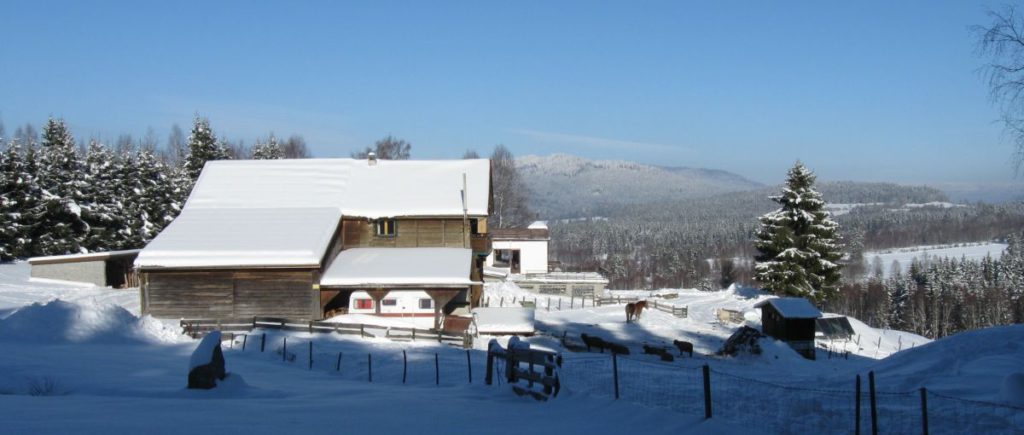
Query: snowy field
x,y
88,363
970,251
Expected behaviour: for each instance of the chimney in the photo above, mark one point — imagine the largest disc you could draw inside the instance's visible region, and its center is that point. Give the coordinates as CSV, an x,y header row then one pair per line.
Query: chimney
x,y
371,159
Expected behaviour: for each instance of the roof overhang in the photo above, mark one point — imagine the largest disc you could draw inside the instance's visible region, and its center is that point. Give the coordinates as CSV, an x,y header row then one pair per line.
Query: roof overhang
x,y
400,268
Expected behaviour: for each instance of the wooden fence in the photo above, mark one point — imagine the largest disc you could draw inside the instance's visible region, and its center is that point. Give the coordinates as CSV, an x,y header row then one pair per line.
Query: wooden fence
x,y
199,327
558,303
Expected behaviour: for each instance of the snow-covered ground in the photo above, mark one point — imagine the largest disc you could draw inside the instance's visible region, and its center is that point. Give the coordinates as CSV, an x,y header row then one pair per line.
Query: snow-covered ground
x,y
89,364
970,251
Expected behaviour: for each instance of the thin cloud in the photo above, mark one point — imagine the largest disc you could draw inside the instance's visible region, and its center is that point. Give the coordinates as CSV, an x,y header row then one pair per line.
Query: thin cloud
x,y
595,142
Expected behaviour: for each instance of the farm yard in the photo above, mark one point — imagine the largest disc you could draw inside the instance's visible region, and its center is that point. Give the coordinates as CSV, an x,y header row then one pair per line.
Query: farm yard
x,y
90,353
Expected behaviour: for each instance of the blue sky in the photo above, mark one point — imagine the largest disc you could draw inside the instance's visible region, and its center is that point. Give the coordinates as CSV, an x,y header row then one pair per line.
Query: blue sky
x,y
872,91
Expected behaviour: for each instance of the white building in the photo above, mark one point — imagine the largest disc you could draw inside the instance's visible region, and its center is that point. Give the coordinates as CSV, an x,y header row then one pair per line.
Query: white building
x,y
520,250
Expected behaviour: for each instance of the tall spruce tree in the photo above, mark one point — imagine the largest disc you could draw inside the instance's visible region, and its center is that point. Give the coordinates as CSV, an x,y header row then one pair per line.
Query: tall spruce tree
x,y
202,147
797,244
105,207
61,228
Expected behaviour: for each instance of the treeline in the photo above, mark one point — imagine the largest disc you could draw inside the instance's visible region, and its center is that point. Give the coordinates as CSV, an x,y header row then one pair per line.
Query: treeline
x,y
58,196
943,296
705,242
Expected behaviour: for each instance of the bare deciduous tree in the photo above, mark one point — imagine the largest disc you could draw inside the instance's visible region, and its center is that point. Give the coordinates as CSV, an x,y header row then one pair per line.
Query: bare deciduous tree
x,y
176,148
389,148
511,196
295,148
1002,42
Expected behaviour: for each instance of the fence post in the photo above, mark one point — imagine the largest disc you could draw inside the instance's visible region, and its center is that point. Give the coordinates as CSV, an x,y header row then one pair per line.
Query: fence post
x,y
856,406
369,367
559,304
437,371
337,367
284,350
707,391
405,366
469,366
311,354
244,339
413,334
874,409
924,411
438,336
489,377
615,373
361,333
572,301
263,343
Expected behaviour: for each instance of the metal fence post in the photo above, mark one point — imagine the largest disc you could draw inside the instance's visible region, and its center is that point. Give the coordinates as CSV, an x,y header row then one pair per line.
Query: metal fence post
x,y
469,366
337,367
263,342
924,411
707,391
437,370
369,367
874,408
311,355
284,350
405,366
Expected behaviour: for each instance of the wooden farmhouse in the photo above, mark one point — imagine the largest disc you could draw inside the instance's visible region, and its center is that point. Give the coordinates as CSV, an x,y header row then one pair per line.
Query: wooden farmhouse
x,y
300,238
791,320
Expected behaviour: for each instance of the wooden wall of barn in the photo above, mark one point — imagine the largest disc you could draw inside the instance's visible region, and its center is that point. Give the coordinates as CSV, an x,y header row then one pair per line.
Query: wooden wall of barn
x,y
410,233
231,294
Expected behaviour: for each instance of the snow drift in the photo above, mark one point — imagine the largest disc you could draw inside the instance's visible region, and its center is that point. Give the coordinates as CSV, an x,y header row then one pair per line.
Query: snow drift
x,y
978,364
58,321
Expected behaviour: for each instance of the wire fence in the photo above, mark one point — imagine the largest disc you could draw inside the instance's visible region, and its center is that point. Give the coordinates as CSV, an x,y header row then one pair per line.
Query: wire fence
x,y
771,407
690,387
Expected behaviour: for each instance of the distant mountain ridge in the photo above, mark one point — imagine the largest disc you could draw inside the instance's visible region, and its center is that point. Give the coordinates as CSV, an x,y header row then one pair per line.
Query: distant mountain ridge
x,y
566,186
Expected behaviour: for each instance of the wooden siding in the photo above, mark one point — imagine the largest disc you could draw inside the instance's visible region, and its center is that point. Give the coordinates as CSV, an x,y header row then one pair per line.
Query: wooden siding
x,y
231,294
411,233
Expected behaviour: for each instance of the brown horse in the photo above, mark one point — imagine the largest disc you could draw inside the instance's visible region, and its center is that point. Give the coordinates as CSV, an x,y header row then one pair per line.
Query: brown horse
x,y
633,310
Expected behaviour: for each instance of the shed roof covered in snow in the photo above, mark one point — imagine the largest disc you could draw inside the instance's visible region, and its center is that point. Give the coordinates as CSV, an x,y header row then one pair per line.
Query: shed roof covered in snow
x,y
504,320
398,267
243,238
792,308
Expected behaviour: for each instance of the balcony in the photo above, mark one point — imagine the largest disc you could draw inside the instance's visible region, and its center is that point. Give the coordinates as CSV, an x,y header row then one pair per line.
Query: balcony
x,y
481,244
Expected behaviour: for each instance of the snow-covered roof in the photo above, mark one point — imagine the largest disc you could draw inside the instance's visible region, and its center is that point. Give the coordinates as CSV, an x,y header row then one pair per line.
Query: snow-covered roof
x,y
389,188
792,308
91,256
397,267
496,320
283,213
538,225
243,237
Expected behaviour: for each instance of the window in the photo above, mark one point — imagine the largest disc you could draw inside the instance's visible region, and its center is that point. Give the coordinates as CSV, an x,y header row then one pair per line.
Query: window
x,y
389,302
426,303
364,304
386,228
502,258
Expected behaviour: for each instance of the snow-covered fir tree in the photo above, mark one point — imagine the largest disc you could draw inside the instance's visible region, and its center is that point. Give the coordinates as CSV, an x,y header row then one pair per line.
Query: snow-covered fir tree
x,y
60,227
202,147
797,244
104,211
269,150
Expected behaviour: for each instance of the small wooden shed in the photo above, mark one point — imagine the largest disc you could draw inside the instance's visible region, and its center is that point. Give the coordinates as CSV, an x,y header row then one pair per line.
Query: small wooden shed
x,y
791,320
110,269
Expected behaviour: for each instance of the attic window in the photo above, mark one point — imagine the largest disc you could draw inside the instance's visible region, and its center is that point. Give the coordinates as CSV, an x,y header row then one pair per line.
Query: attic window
x,y
385,228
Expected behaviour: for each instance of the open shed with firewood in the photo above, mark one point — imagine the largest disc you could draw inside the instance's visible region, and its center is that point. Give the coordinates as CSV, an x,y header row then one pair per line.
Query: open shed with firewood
x,y
791,320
